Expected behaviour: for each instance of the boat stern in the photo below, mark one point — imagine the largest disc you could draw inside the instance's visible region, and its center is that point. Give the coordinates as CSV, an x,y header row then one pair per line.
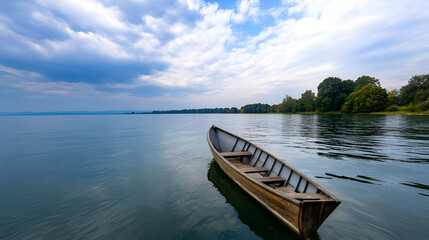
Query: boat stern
x,y
313,214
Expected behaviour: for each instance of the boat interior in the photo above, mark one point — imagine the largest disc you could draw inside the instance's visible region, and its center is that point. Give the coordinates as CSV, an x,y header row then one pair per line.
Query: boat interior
x,y
264,168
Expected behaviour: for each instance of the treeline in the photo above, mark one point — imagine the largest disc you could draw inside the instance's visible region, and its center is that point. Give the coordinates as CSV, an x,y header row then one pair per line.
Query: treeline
x,y
202,110
363,95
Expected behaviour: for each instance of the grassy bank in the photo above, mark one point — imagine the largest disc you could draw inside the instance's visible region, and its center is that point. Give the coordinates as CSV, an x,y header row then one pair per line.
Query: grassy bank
x,y
402,113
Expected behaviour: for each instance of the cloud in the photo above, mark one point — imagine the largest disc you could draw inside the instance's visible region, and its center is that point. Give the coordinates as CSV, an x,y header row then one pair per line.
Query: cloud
x,y
246,9
330,38
199,54
18,73
36,84
85,15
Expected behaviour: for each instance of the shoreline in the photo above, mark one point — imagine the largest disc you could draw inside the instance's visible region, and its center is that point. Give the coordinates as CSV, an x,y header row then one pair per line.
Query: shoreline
x,y
144,113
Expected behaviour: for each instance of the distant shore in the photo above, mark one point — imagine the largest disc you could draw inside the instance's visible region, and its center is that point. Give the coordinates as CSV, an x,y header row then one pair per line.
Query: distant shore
x,y
188,112
28,113
333,112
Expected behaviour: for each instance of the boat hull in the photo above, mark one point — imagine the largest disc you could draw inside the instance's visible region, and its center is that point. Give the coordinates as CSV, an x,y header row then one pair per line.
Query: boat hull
x,y
303,217
285,210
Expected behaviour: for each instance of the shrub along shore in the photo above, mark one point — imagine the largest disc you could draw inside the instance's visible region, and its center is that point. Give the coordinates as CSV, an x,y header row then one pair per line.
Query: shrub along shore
x,y
363,95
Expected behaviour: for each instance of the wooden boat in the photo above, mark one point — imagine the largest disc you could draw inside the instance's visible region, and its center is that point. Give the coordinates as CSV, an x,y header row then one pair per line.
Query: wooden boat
x,y
292,197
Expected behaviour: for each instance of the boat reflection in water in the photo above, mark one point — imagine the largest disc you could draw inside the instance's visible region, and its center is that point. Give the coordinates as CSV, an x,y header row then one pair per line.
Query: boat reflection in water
x,y
250,212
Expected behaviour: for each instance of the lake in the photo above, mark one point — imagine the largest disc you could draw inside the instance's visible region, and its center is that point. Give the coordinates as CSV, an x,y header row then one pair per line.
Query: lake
x,y
153,176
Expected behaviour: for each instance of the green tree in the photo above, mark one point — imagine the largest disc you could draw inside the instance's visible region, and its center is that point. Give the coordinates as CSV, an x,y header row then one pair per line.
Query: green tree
x,y
332,92
233,110
415,91
422,106
274,108
306,103
368,99
287,106
393,97
365,80
255,108
421,95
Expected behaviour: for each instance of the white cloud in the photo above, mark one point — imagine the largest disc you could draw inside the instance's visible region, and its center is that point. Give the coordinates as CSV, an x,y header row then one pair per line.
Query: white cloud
x,y
88,42
192,4
307,41
18,73
49,21
332,38
35,83
90,14
246,9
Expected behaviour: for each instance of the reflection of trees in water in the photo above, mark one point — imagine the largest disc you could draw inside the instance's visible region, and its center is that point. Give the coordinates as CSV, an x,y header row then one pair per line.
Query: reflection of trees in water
x,y
412,134
336,136
351,127
354,136
414,127
290,124
291,131
366,137
250,212
307,125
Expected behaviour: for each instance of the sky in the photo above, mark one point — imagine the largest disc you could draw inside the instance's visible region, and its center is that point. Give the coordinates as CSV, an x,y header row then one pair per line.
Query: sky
x,y
89,55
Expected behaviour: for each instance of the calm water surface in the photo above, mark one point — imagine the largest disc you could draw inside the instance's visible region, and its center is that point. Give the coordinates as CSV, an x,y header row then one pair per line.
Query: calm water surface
x,y
153,177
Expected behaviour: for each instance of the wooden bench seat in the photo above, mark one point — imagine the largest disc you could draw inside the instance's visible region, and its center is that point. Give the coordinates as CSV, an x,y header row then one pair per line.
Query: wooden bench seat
x,y
270,180
236,154
286,190
302,196
255,170
238,163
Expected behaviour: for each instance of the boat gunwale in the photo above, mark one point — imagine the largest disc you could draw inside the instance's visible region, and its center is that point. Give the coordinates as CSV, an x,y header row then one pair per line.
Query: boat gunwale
x,y
272,190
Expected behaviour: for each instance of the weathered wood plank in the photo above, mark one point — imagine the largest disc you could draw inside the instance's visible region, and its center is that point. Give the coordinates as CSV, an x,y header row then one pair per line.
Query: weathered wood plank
x,y
268,180
286,190
236,154
254,169
239,164
302,196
